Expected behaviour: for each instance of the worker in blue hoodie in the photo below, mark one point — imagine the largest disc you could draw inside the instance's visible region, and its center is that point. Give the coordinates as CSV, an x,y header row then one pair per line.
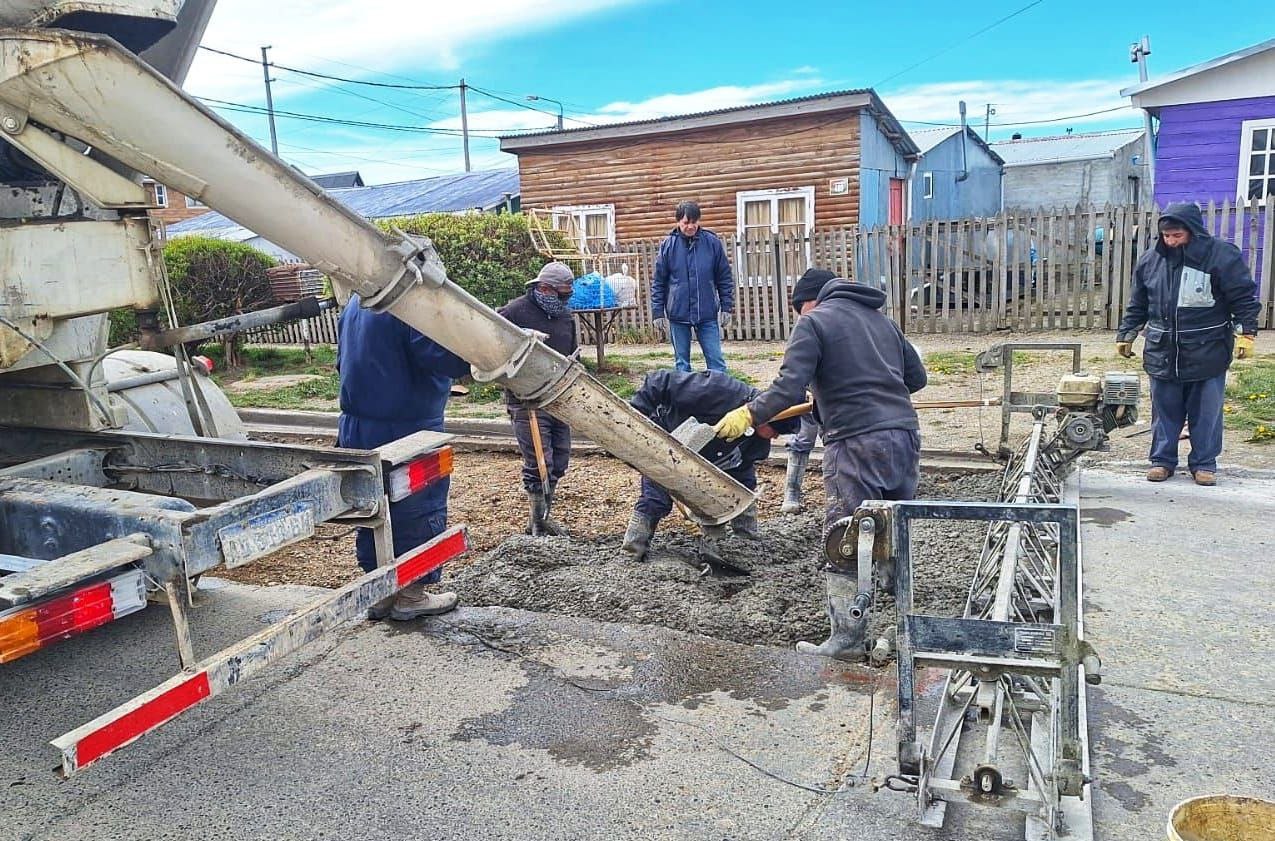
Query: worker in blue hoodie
x,y
862,372
1198,302
394,382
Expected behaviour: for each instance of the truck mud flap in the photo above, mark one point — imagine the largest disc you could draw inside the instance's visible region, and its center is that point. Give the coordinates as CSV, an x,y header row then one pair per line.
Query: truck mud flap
x,y
221,671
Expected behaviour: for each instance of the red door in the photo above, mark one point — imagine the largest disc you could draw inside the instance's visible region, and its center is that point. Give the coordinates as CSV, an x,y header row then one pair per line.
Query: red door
x,y
896,201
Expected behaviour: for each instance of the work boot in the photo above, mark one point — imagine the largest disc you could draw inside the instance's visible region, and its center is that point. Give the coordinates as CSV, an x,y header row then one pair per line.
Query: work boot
x,y
745,525
381,609
792,488
637,538
551,525
845,642
1158,474
413,602
1207,478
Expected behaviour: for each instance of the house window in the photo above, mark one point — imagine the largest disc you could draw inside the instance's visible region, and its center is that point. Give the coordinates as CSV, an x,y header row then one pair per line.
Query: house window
x,y
761,214
590,226
161,195
192,202
927,180
1257,160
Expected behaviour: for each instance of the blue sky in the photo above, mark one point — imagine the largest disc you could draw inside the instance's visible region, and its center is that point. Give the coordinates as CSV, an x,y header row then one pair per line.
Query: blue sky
x,y
613,60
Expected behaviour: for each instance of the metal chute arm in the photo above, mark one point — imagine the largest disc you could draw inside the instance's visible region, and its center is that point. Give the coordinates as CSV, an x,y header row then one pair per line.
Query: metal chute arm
x,y
89,88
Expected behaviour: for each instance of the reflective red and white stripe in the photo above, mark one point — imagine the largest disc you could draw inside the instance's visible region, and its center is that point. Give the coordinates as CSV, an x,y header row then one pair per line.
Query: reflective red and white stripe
x,y
27,629
418,474
231,666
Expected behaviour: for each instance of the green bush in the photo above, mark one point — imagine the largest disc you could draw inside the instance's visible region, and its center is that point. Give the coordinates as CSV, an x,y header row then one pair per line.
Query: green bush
x,y
488,255
123,327
212,279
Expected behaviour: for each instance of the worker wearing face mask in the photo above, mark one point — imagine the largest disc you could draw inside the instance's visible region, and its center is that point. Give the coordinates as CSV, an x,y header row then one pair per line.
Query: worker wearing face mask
x,y
543,440
1198,302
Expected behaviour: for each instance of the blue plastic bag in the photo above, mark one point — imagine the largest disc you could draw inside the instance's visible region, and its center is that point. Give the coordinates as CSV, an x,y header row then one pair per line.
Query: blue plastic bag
x,y
591,292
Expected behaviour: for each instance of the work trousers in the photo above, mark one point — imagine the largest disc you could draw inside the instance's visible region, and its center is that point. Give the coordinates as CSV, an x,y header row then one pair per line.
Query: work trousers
x,y
655,502
804,440
709,334
555,439
1196,404
885,464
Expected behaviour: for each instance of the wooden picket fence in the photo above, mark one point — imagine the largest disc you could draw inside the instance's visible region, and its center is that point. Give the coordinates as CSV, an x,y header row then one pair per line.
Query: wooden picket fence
x,y
1022,271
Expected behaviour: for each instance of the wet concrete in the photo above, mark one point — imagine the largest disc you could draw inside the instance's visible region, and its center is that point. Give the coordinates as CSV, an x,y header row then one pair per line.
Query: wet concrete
x,y
1104,516
780,602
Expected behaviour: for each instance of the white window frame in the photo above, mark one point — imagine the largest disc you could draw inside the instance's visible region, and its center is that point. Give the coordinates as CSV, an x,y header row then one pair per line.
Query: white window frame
x,y
192,203
746,196
579,211
1246,153
161,195
927,185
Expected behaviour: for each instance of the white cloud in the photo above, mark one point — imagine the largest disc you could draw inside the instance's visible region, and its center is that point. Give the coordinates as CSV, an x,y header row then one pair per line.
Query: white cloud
x,y
404,36
1016,101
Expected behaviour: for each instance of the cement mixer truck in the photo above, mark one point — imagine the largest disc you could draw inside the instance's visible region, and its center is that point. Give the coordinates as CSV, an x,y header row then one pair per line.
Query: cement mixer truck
x,y
125,474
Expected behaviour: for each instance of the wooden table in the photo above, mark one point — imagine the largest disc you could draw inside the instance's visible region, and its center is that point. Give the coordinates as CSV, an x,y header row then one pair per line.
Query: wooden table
x,y
598,321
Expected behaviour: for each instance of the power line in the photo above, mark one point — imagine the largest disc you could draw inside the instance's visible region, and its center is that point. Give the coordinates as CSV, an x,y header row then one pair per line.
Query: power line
x,y
1026,122
412,87
956,44
319,118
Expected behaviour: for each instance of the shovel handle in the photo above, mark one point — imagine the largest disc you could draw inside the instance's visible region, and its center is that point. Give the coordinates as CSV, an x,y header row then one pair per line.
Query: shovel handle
x,y
794,411
539,446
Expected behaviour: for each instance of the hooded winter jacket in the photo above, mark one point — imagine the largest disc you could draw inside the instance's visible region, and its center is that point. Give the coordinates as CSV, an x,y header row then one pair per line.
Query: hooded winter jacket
x,y
857,362
1190,299
692,279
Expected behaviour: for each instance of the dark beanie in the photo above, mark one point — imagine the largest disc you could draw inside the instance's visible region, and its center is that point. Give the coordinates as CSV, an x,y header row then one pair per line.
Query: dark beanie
x,y
809,285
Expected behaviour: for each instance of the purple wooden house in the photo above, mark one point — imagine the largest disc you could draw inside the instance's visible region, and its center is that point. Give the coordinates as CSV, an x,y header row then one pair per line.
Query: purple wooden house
x,y
1215,136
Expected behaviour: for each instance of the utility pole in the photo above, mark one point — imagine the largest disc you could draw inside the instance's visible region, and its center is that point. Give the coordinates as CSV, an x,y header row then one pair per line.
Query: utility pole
x,y
265,71
1138,53
464,123
987,121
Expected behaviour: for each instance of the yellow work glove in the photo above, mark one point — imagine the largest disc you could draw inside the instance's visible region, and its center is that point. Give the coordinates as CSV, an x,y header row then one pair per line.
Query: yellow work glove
x,y
1125,349
734,424
1244,346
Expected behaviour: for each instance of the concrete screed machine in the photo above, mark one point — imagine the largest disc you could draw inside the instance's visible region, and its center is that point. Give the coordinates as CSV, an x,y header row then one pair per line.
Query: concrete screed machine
x,y
125,473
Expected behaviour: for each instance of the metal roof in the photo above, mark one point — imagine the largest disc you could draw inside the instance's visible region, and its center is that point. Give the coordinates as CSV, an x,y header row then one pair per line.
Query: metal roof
x,y
335,180
929,139
1064,147
1193,70
813,104
443,194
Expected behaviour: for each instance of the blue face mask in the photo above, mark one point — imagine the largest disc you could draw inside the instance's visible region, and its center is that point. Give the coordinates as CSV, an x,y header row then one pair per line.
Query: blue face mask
x,y
554,306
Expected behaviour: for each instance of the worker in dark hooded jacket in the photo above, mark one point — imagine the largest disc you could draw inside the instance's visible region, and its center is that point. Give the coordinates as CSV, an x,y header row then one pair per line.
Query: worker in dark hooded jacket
x,y
1198,302
394,382
544,309
670,397
862,372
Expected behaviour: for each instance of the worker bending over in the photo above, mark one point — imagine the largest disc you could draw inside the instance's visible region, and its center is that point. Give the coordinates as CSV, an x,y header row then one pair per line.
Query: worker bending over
x,y
670,397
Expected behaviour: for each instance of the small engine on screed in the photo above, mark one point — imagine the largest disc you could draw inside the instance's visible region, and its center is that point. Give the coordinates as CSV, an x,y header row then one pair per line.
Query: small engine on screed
x,y
1090,406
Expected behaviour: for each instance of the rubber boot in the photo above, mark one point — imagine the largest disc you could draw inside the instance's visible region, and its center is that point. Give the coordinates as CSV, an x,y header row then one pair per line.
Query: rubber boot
x,y
845,642
637,538
413,602
550,525
538,512
745,525
792,488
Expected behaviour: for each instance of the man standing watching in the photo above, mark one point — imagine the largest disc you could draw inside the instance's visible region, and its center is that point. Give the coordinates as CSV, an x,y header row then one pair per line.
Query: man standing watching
x,y
1199,305
543,309
693,289
862,372
395,381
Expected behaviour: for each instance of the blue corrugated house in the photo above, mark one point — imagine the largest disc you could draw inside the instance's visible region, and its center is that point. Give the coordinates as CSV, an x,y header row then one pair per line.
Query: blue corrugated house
x,y
492,191
957,175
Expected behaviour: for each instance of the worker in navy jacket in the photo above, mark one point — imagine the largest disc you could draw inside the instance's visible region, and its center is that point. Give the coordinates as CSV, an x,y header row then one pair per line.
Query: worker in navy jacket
x,y
394,382
1199,305
693,290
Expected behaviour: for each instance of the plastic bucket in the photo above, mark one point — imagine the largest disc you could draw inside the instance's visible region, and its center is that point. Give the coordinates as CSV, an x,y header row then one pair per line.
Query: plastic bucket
x,y
1222,817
